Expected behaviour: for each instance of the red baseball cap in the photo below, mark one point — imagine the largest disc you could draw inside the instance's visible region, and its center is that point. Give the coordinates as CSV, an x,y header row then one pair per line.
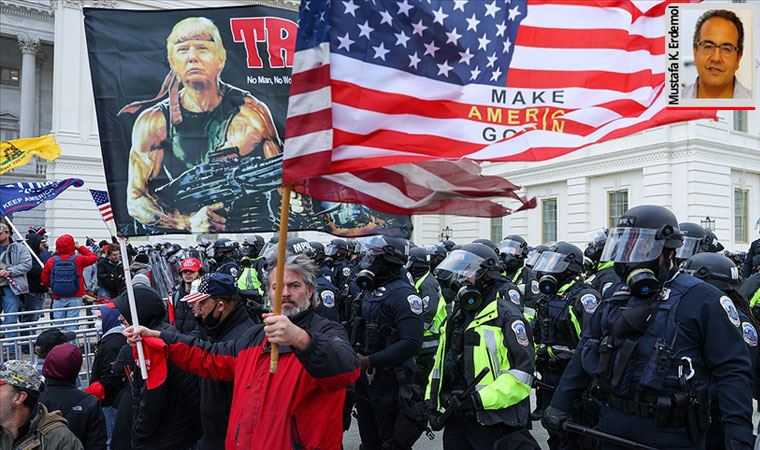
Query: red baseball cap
x,y
155,361
191,264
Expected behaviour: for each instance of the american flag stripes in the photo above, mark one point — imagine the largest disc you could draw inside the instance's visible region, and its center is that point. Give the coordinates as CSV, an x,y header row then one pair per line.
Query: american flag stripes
x,y
103,203
395,103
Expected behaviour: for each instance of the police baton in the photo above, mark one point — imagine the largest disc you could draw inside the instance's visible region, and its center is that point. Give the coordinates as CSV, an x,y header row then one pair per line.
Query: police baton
x,y
439,421
572,427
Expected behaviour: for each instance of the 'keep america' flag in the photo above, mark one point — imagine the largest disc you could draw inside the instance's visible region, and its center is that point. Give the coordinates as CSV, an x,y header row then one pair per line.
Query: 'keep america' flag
x,y
395,103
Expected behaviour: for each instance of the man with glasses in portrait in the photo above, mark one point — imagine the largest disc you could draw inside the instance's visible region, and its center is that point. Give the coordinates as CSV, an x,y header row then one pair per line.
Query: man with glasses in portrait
x,y
718,48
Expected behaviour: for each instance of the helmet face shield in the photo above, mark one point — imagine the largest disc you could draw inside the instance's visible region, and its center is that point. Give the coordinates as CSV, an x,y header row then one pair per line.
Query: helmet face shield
x,y
689,248
552,262
459,265
510,247
377,245
533,257
632,245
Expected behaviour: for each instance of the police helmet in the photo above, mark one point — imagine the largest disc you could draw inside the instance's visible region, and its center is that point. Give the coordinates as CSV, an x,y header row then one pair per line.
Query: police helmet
x,y
596,241
418,258
299,246
515,245
448,244
336,247
641,234
394,251
476,261
254,240
559,258
693,240
712,244
487,242
715,269
224,244
318,248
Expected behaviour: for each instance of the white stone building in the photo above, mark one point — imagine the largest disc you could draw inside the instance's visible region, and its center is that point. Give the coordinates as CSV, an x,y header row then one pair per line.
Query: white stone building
x,y
698,169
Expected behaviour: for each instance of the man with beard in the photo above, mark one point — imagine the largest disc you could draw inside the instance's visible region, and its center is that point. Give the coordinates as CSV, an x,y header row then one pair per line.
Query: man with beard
x,y
216,302
204,120
316,365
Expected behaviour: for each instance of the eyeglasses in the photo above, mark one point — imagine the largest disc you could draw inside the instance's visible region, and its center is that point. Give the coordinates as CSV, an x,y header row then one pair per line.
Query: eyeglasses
x,y
725,49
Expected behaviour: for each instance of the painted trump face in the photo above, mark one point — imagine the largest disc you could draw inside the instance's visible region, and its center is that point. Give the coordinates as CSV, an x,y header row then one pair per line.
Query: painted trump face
x,y
717,55
195,52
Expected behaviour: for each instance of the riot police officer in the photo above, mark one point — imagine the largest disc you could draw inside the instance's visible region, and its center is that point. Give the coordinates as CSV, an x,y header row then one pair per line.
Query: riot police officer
x,y
723,273
532,293
694,241
484,333
602,275
428,289
561,315
386,330
653,346
225,257
513,250
336,254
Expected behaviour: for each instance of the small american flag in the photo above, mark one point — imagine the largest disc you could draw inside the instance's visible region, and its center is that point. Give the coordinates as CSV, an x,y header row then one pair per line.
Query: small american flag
x,y
103,203
394,104
198,291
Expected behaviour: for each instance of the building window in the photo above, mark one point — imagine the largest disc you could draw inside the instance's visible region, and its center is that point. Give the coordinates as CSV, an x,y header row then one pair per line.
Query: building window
x,y
741,215
617,205
740,121
496,228
549,220
9,76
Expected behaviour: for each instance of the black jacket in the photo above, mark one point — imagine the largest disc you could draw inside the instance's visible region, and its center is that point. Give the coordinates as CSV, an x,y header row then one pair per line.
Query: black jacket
x,y
110,276
752,259
216,396
33,276
184,319
167,417
80,409
102,366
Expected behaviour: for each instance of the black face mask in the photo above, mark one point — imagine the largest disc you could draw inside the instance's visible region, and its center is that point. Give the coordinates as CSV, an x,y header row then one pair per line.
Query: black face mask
x,y
209,323
367,278
511,263
329,261
418,272
469,297
548,284
643,279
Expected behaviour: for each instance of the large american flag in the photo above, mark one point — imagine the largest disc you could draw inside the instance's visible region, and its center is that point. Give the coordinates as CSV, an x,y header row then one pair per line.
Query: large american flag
x,y
394,104
103,203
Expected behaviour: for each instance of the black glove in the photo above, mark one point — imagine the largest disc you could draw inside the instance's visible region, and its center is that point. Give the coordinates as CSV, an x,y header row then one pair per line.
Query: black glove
x,y
433,419
553,418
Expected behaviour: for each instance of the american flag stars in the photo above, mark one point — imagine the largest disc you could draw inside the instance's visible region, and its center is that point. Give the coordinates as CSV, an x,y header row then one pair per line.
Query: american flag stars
x,y
459,41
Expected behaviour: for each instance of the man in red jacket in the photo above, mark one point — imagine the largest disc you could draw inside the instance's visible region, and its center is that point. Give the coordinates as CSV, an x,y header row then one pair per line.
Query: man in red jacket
x,y
66,250
300,406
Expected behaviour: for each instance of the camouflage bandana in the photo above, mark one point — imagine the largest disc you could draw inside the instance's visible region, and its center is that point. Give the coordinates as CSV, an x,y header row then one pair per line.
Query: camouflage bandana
x,y
20,374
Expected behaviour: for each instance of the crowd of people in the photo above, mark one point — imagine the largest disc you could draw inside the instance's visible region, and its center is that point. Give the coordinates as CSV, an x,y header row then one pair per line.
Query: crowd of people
x,y
646,337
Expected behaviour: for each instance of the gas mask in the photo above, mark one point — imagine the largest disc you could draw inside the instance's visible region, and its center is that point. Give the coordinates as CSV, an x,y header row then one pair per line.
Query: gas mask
x,y
417,272
367,278
511,263
329,261
469,297
643,279
549,283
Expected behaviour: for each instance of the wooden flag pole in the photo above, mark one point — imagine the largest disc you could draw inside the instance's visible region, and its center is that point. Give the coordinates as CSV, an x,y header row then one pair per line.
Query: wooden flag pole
x,y
280,271
132,303
23,241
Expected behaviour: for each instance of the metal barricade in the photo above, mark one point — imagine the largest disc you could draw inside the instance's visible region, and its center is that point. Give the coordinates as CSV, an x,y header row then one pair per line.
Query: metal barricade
x,y
21,344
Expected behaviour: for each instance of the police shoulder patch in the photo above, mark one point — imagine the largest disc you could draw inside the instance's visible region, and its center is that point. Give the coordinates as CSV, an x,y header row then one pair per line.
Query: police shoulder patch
x,y
521,333
514,296
328,298
749,334
346,271
425,302
234,272
534,287
606,286
415,304
589,302
731,312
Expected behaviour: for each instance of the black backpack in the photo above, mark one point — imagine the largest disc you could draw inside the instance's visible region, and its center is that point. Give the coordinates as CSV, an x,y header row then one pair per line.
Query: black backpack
x,y
64,277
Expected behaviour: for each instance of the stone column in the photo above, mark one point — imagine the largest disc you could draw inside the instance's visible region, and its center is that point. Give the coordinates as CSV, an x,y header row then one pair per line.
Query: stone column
x,y
40,60
29,46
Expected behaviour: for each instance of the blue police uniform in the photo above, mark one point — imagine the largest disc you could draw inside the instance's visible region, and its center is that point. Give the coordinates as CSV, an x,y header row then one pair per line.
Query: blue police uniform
x,y
230,266
387,329
328,299
560,319
604,278
652,380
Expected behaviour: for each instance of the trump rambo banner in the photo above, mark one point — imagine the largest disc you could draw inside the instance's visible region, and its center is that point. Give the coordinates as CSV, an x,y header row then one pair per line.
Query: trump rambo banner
x,y
191,107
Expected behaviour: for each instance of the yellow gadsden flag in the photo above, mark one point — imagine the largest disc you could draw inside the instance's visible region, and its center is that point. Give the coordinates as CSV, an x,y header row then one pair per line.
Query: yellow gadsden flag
x,y
18,152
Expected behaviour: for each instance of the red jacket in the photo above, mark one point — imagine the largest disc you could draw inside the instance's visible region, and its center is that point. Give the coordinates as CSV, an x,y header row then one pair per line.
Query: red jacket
x,y
300,406
64,247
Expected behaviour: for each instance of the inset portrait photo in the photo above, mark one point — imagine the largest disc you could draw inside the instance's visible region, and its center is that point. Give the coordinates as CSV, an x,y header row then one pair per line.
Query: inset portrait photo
x,y
713,45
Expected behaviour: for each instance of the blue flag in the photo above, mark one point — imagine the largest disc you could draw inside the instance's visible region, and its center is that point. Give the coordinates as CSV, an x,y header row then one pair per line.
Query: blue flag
x,y
17,197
